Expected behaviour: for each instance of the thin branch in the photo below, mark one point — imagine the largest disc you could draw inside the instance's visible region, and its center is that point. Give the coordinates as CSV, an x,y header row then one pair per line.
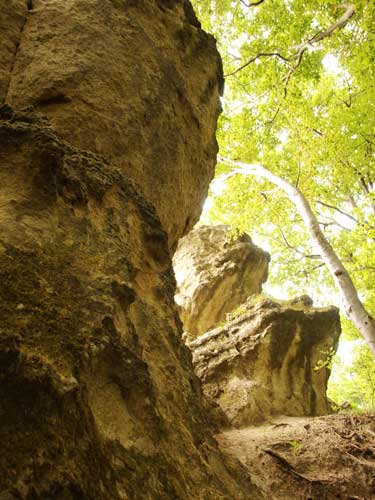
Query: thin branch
x,y
289,468
327,205
293,69
295,249
271,120
348,103
317,132
298,175
333,222
339,24
254,58
253,4
341,226
306,272
302,47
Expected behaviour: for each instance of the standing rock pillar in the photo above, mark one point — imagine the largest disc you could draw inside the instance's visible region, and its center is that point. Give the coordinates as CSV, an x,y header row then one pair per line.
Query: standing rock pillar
x,y
107,145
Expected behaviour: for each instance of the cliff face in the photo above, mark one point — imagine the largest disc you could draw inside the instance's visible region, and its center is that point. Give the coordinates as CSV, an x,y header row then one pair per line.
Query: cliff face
x,y
215,274
98,398
259,357
269,360
137,82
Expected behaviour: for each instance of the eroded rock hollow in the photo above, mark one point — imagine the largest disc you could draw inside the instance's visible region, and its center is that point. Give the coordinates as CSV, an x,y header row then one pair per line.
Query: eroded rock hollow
x,y
98,398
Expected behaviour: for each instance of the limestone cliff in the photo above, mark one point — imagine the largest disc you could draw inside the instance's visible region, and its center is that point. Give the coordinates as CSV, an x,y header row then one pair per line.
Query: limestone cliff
x,y
215,274
98,399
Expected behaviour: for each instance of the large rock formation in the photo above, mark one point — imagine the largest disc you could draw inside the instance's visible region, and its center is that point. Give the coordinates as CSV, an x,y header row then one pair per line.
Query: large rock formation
x,y
98,399
254,355
215,273
271,359
136,81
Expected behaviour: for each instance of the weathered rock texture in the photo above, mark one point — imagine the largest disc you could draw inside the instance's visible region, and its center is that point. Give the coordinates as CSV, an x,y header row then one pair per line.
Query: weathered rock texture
x,y
215,275
262,357
98,399
321,458
12,20
136,81
268,360
97,394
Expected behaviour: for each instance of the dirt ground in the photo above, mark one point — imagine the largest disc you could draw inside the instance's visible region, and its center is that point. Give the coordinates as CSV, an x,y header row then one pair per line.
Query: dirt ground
x,y
319,458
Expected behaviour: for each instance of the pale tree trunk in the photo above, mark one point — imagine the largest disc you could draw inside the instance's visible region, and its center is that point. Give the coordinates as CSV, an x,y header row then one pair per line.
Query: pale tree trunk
x,y
354,308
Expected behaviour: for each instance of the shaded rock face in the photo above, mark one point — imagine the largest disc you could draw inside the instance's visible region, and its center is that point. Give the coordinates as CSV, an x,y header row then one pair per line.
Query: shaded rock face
x,y
271,359
97,394
98,398
215,275
136,81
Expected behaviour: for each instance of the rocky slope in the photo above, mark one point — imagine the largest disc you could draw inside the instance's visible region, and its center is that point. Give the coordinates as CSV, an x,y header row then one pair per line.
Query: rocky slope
x,y
98,398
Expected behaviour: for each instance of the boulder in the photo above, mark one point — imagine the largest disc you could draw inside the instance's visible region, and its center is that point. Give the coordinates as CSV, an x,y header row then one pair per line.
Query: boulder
x,y
270,359
215,273
135,81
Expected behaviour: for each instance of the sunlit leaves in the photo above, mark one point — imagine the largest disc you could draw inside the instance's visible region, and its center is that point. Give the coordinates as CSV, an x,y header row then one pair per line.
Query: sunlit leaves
x,y
311,121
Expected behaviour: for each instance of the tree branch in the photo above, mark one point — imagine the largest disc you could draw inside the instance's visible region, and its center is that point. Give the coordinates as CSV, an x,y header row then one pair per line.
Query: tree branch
x,y
253,4
327,205
300,49
287,78
291,247
321,35
298,175
333,222
261,54
306,272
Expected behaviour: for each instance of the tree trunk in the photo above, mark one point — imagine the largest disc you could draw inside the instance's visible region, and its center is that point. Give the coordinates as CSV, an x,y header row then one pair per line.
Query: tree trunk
x,y
352,305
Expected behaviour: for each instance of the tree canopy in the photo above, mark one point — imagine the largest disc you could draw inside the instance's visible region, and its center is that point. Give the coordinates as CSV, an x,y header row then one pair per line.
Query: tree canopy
x,y
300,100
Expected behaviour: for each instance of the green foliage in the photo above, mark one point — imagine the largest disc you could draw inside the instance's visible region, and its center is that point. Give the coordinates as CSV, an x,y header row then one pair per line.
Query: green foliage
x,y
311,122
326,361
354,382
295,445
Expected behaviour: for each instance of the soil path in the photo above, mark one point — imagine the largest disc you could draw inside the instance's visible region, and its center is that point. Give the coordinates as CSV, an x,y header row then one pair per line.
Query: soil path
x,y
319,458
